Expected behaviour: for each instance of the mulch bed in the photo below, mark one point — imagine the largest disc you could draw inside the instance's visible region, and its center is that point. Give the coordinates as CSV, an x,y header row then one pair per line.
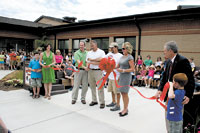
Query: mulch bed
x,y
7,88
13,75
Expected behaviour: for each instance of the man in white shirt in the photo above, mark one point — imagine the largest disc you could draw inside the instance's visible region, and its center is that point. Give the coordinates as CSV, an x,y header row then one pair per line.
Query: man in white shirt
x,y
94,74
114,54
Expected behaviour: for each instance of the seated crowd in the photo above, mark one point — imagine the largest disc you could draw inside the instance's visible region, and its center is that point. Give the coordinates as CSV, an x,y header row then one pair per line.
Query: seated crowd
x,y
148,74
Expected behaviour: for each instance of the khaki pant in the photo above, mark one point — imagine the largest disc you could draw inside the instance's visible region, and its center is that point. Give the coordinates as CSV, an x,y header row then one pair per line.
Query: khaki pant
x,y
112,86
93,77
80,78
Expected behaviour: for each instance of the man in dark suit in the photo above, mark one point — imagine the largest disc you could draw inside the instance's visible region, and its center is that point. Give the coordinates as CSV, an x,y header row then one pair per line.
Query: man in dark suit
x,y
176,64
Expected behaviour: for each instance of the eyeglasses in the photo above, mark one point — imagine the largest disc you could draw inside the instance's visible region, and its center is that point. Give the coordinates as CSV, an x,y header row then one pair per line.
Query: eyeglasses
x,y
123,48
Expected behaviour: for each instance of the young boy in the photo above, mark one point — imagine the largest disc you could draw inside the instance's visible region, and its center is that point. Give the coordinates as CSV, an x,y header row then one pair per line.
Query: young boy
x,y
157,75
36,75
175,107
69,74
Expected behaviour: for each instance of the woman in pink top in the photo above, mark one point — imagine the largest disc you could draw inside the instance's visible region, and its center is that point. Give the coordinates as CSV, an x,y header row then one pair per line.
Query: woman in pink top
x,y
149,78
139,60
59,58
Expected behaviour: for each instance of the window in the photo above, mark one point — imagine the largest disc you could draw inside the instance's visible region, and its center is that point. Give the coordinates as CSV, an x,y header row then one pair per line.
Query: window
x,y
103,43
121,40
63,46
13,43
75,44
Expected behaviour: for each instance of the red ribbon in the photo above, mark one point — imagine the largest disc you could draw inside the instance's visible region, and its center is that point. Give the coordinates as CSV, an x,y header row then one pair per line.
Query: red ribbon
x,y
54,68
108,65
79,65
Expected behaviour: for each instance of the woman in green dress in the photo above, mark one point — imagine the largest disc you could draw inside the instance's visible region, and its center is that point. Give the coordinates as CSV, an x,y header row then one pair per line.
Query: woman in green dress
x,y
47,60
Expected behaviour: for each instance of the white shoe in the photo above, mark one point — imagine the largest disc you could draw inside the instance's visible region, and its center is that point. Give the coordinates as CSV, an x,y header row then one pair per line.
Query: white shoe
x,y
146,86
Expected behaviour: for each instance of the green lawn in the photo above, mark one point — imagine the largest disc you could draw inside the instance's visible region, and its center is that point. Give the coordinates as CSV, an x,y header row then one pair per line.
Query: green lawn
x,y
18,74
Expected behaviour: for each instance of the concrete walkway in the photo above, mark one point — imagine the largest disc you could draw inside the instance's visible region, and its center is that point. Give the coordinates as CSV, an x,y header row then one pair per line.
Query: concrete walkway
x,y
3,73
22,114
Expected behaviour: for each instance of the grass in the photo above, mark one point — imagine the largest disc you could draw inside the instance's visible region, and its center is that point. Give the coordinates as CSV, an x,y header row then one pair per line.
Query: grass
x,y
14,75
18,74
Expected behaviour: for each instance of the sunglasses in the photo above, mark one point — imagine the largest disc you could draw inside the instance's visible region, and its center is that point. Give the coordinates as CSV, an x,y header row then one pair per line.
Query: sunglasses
x,y
123,48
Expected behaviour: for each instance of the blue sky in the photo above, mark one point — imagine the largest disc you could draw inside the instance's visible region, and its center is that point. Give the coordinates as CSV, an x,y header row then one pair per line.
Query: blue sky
x,y
85,9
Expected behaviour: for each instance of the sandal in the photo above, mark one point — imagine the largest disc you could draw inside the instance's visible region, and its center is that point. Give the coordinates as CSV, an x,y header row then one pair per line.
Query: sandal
x,y
45,96
37,96
34,96
49,97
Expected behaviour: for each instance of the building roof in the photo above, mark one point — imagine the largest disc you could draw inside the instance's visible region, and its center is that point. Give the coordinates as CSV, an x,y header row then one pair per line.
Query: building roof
x,y
176,14
19,22
181,13
52,18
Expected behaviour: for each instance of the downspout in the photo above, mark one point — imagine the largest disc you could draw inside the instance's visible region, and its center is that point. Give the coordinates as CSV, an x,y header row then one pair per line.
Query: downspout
x,y
139,39
54,42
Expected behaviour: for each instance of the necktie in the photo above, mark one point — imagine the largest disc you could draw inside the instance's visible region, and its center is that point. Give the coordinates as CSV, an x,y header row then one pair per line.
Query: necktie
x,y
170,69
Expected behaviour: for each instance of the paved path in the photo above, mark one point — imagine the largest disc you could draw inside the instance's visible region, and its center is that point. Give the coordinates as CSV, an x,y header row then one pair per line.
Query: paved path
x,y
22,114
3,73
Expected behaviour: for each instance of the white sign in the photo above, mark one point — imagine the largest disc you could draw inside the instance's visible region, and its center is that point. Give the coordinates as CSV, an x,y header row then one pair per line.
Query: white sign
x,y
27,76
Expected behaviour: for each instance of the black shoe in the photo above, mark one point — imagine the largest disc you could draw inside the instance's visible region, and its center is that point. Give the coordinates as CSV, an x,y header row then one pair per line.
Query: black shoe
x,y
122,115
73,101
83,101
102,106
93,103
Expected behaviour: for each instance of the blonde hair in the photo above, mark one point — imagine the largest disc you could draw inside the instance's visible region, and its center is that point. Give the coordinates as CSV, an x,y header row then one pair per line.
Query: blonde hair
x,y
57,51
128,47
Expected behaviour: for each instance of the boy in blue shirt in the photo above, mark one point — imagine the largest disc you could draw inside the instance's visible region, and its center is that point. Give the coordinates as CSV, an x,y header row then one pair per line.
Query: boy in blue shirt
x,y
36,75
175,107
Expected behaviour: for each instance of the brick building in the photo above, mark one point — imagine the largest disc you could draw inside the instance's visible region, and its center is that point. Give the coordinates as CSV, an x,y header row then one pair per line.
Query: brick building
x,y
146,32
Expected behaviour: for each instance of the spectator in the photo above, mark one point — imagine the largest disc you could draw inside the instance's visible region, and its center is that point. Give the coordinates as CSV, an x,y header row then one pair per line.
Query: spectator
x,y
69,74
12,60
134,75
2,57
139,61
148,62
149,78
142,75
18,60
36,75
7,61
69,57
21,56
59,58
158,62
192,64
197,80
157,75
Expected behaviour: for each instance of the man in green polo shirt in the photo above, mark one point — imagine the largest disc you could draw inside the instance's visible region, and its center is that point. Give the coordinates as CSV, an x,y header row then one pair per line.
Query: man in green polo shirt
x,y
81,77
